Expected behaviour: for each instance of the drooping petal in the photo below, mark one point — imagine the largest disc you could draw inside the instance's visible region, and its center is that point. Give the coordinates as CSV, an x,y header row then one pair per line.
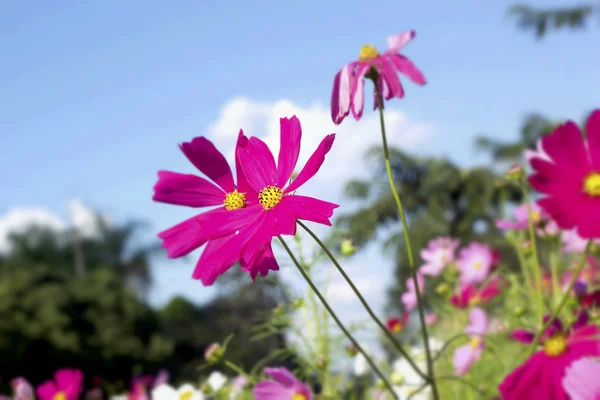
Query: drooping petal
x,y
218,256
264,263
309,208
289,150
313,164
388,74
258,164
282,375
186,190
463,359
242,182
340,94
478,322
205,156
408,68
358,90
396,42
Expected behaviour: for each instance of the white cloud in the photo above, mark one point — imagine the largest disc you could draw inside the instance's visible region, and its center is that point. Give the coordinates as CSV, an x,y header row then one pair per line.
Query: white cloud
x,y
353,138
19,219
339,292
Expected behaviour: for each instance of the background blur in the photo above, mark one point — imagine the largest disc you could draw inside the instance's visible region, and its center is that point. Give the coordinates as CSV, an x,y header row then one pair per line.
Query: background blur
x,y
96,95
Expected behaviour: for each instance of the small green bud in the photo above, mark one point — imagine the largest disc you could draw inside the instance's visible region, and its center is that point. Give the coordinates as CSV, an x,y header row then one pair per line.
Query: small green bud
x,y
351,350
213,353
347,248
515,172
443,289
397,378
519,311
279,310
379,384
298,303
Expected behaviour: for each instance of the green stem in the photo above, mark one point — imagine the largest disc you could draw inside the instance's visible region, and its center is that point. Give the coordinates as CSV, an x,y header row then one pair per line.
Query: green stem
x,y
554,261
523,263
337,320
563,300
411,260
536,261
239,371
385,330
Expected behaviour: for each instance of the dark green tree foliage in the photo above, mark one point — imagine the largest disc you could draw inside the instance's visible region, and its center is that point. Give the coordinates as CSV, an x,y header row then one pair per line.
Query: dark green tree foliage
x,y
542,20
439,199
50,319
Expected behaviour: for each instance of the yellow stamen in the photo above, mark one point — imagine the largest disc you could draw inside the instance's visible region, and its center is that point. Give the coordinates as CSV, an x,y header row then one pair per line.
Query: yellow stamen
x,y
186,395
555,346
477,264
235,200
298,396
475,342
536,216
59,396
397,328
270,196
475,300
591,184
367,53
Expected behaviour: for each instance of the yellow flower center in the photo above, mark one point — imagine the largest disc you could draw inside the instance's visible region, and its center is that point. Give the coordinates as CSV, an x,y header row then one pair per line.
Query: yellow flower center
x,y
475,342
591,184
477,264
60,396
536,216
235,200
411,391
475,300
367,53
298,396
555,346
397,328
270,196
186,395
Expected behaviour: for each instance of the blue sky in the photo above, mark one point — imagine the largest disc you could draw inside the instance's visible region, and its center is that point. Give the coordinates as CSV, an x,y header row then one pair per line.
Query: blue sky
x,y
96,95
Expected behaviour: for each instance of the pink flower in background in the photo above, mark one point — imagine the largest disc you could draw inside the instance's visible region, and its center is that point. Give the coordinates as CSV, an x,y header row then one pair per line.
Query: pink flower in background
x,y
438,254
540,376
573,243
409,298
431,318
22,388
285,386
349,83
475,263
571,178
194,191
67,385
581,379
544,225
470,295
466,355
397,324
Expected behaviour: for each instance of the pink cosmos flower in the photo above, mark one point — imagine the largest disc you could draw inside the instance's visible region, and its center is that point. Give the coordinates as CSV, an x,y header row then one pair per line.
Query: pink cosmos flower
x,y
581,379
278,206
431,318
349,82
544,225
284,387
539,377
571,179
397,324
67,385
573,243
438,254
22,388
475,263
409,298
466,355
194,191
470,295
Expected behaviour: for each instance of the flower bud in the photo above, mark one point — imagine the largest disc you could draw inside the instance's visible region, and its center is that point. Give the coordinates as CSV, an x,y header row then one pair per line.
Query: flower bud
x,y
298,303
519,311
351,350
213,353
347,248
515,172
397,378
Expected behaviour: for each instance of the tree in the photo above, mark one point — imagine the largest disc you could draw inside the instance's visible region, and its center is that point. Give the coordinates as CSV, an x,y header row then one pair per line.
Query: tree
x,y
542,20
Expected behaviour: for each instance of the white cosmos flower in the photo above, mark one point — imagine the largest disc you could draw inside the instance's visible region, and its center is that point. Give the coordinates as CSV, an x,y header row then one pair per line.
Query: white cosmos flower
x,y
216,381
185,392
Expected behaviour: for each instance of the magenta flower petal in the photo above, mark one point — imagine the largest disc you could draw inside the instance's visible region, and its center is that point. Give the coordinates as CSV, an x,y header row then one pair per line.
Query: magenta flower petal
x,y
203,154
523,336
258,164
358,90
290,134
397,42
340,94
218,256
408,68
478,322
271,390
265,262
592,130
313,164
565,147
222,222
388,74
464,357
70,382
282,375
581,380
182,238
310,209
242,182
186,190
47,390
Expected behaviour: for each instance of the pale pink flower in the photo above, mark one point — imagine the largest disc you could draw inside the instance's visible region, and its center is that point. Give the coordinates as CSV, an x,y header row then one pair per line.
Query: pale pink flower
x,y
466,355
581,379
475,263
438,254
409,298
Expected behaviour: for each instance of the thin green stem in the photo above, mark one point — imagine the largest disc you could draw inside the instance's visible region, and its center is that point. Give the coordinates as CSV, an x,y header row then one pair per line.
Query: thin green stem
x,y
563,300
536,261
523,263
554,261
239,371
385,330
464,381
376,369
411,260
